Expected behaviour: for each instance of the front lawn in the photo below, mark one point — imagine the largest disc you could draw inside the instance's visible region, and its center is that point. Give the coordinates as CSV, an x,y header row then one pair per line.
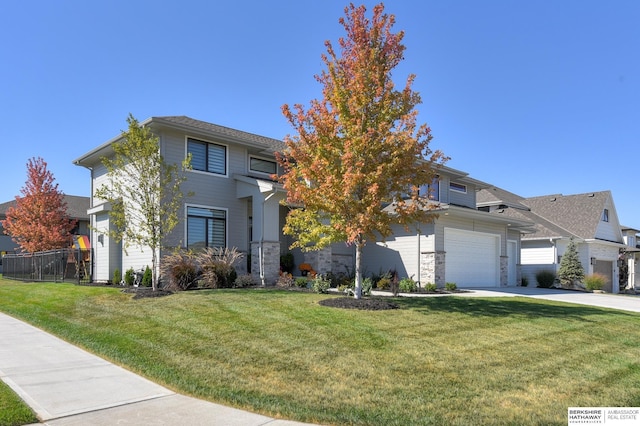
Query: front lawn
x,y
13,411
445,360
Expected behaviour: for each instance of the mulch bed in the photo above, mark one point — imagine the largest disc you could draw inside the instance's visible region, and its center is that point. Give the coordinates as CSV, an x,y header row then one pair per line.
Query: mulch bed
x,y
366,303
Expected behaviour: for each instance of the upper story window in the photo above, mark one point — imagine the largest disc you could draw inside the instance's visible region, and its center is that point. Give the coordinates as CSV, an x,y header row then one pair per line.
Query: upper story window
x,y
261,165
431,191
632,241
458,187
605,215
207,156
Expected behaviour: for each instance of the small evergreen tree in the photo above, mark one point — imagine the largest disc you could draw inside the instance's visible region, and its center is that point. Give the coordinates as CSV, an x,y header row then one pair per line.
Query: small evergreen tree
x,y
571,269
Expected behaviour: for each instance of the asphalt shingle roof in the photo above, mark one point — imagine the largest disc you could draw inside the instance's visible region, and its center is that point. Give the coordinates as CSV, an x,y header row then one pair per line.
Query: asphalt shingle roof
x,y
77,206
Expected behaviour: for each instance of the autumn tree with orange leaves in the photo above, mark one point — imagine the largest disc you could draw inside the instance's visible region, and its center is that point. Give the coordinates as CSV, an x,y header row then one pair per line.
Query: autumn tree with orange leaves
x,y
39,221
358,157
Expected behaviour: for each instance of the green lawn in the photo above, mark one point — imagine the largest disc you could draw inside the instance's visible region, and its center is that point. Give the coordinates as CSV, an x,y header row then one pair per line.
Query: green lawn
x,y
13,412
445,360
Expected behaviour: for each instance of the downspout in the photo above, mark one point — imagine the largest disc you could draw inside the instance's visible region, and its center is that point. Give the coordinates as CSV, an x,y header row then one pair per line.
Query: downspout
x,y
261,247
418,228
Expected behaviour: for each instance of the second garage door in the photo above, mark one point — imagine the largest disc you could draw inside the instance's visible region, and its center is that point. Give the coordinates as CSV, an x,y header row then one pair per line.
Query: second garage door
x,y
472,259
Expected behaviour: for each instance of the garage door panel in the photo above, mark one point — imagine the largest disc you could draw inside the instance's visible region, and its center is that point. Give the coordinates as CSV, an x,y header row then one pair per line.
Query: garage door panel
x,y
472,258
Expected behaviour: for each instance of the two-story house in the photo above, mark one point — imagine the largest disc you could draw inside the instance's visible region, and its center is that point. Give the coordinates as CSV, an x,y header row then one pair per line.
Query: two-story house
x,y
589,219
234,204
237,204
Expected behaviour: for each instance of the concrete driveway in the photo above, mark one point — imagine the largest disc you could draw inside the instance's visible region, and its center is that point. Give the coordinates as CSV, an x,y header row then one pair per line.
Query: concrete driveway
x,y
624,302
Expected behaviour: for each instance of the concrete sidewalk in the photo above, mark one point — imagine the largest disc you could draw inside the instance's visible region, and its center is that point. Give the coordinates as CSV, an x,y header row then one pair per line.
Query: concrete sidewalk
x,y
624,302
67,386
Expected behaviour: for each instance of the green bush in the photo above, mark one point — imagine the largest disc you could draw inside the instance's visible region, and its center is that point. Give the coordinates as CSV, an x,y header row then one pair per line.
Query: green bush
x,y
302,282
320,284
117,276
545,278
129,276
450,286
407,285
524,281
384,283
595,281
430,287
286,262
243,281
147,278
367,285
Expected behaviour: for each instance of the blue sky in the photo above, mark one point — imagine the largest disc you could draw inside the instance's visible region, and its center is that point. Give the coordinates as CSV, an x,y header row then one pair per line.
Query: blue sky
x,y
537,97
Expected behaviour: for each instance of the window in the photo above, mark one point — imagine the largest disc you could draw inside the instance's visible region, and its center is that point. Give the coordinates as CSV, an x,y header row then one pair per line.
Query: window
x,y
605,215
432,191
207,157
458,187
206,227
262,166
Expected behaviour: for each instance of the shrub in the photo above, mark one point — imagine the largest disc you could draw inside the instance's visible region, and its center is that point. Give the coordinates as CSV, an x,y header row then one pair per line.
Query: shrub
x,y
285,280
147,277
129,276
181,270
286,262
367,285
407,285
384,283
243,281
430,287
450,286
117,276
301,282
217,266
545,278
571,269
524,281
595,281
320,284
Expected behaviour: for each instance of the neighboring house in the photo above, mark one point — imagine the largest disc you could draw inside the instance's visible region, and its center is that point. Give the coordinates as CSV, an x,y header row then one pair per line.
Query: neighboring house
x,y
462,245
631,256
76,208
237,204
590,219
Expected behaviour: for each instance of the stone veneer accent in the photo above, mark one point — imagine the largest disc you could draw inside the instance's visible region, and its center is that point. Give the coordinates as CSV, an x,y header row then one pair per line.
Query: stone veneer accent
x,y
319,260
432,268
271,251
504,271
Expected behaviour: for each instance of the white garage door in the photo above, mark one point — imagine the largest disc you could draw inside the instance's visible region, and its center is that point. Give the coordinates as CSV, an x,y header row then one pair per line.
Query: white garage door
x,y
472,258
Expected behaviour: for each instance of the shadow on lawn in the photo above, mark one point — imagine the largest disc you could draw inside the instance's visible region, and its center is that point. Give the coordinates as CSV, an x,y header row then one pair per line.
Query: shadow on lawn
x,y
504,307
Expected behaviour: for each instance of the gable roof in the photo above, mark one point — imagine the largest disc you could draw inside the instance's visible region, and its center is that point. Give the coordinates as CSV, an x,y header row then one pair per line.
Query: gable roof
x,y
555,215
77,206
192,127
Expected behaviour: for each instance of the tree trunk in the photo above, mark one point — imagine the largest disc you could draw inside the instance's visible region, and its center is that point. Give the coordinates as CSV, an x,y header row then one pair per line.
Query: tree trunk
x,y
154,277
358,290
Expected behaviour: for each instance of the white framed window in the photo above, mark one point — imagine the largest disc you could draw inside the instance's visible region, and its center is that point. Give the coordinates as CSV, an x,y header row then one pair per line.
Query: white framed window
x,y
207,156
262,165
605,215
206,227
454,186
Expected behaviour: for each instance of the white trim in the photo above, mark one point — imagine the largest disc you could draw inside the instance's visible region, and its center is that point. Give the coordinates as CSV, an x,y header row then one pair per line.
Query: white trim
x,y
458,189
226,153
250,156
